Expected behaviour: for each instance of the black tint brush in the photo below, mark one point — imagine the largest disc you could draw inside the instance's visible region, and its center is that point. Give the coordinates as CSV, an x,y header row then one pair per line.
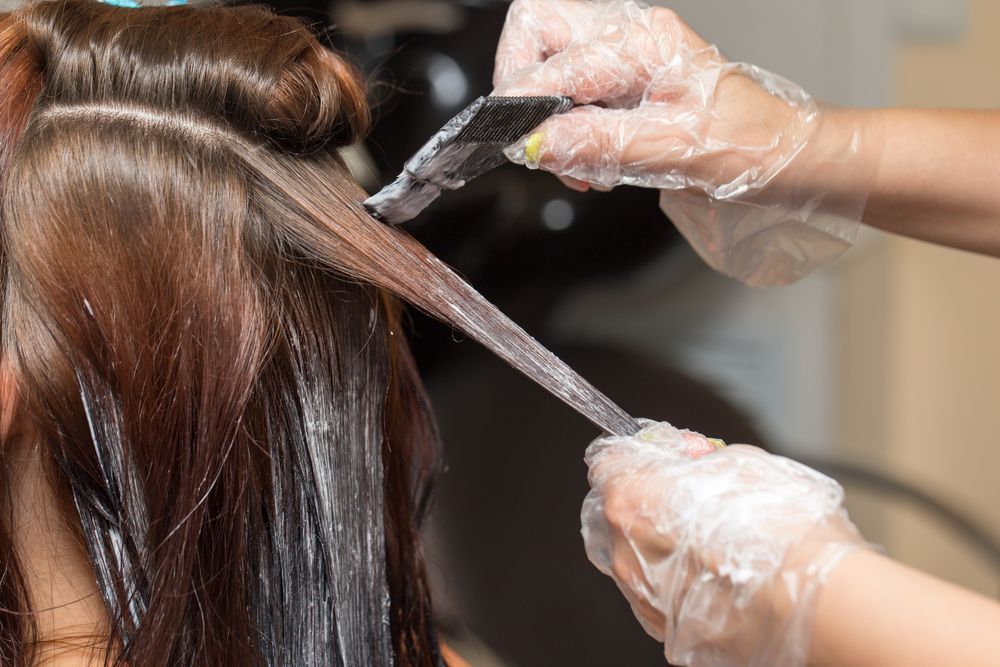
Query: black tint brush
x,y
469,145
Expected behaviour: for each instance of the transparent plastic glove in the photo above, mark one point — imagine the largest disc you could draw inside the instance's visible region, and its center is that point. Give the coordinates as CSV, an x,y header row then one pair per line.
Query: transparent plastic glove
x,y
763,183
720,552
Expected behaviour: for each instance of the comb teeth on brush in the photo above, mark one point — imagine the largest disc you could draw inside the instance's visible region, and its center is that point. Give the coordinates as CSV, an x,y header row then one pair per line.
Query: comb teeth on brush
x,y
469,145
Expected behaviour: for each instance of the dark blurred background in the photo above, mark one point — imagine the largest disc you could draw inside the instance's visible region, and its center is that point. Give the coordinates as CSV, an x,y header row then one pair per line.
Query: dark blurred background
x,y
605,282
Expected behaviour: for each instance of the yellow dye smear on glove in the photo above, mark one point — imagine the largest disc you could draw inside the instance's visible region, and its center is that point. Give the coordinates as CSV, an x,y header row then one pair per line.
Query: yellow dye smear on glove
x,y
533,149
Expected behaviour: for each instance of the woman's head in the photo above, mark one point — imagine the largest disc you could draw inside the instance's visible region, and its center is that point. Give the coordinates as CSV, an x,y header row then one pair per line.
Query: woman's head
x,y
200,345
233,425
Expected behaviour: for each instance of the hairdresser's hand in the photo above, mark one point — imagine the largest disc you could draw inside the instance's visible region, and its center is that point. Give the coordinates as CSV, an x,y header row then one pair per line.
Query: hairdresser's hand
x,y
752,170
721,553
678,114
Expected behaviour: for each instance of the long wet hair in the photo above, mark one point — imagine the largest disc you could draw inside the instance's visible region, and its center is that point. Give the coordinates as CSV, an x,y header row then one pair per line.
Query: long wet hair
x,y
195,320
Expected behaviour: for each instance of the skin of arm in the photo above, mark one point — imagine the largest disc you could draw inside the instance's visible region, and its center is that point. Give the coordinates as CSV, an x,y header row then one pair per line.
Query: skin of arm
x,y
936,178
875,612
930,174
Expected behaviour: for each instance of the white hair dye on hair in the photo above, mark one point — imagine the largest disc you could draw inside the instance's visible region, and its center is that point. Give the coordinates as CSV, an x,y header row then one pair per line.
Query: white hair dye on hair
x,y
390,258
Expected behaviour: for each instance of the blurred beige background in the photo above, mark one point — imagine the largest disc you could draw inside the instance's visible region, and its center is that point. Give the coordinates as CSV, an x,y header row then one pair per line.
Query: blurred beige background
x,y
920,334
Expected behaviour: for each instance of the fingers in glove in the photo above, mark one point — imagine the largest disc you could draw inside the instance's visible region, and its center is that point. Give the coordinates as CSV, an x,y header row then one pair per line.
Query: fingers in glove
x,y
583,186
533,31
588,73
630,576
574,184
603,146
588,51
656,443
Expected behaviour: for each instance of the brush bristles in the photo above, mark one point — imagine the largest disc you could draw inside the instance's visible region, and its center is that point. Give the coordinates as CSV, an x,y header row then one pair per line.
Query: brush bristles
x,y
504,120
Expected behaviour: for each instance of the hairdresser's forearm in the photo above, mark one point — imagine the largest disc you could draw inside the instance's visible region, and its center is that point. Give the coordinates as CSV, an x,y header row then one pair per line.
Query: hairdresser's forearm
x,y
937,177
874,612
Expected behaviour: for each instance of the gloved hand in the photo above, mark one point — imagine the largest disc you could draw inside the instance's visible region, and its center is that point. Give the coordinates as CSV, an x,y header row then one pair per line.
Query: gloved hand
x,y
720,552
763,183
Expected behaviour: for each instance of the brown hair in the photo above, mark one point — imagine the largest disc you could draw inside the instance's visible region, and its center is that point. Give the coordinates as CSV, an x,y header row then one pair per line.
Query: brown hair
x,y
236,427
194,315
